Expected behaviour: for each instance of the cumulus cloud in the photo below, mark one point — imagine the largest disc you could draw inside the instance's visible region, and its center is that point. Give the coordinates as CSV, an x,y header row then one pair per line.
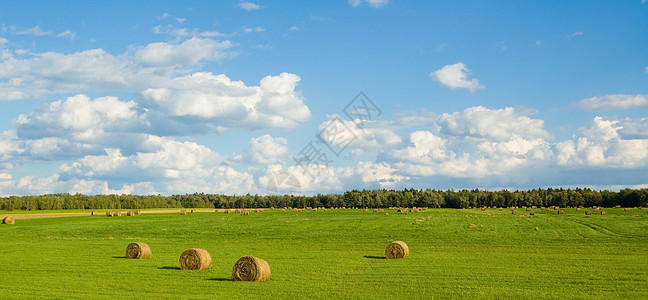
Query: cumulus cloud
x,y
267,150
249,6
36,31
53,72
372,3
191,51
496,124
217,100
602,145
256,29
456,76
612,102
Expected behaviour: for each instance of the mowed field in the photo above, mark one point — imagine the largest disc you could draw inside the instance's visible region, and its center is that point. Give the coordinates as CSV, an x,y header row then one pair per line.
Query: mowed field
x,y
454,253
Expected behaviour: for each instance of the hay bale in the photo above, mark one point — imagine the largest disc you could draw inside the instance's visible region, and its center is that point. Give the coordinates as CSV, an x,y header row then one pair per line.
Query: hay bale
x,y
513,212
603,212
375,210
193,211
117,214
138,251
8,220
183,212
245,212
397,249
94,213
137,212
250,268
130,213
404,211
531,213
109,214
195,259
626,209
483,208
561,212
283,209
500,209
588,213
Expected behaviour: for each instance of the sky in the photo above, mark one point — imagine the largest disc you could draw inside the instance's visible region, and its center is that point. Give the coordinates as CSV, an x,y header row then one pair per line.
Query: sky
x,y
306,97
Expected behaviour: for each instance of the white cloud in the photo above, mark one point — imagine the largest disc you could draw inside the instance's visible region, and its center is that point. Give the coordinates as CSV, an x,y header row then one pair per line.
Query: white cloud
x,y
601,145
249,6
612,102
181,20
151,66
492,124
36,31
267,150
191,51
67,34
295,28
372,3
218,100
250,30
575,34
456,76
163,16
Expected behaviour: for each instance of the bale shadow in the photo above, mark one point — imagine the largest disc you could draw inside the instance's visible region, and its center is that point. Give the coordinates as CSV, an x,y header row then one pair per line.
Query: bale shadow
x,y
374,257
219,279
169,268
119,257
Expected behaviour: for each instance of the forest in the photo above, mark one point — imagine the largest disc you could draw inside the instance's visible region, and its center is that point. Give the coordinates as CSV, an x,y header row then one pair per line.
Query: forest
x,y
356,198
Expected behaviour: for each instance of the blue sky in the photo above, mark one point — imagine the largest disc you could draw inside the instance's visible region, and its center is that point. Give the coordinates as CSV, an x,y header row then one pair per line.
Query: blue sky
x,y
236,97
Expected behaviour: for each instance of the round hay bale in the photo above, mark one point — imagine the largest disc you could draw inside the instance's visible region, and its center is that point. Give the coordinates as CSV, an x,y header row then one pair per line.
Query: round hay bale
x,y
183,212
195,259
578,209
588,213
117,214
94,213
397,249
560,212
130,213
250,268
626,209
603,212
8,220
138,250
512,212
531,213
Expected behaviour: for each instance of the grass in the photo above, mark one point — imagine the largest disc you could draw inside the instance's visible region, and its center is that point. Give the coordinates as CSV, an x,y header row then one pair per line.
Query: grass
x,y
333,254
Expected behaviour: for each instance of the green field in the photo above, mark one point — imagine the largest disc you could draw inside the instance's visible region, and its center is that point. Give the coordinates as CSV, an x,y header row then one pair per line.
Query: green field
x,y
454,253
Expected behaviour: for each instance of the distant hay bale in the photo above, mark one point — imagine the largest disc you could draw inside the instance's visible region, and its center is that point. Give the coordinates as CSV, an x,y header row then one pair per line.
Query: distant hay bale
x,y
138,250
137,211
603,212
397,249
109,214
193,211
578,209
626,209
588,213
483,208
531,213
404,211
366,210
617,206
597,209
94,213
382,210
513,212
8,220
561,212
183,212
534,207
527,209
283,209
250,268
386,214
375,210
130,213
245,212
260,210
195,259
227,211
117,214
500,209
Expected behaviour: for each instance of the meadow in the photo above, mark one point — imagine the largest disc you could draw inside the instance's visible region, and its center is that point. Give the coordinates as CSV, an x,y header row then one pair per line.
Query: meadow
x,y
454,253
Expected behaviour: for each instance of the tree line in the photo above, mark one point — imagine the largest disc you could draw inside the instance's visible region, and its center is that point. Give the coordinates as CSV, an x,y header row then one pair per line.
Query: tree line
x,y
356,198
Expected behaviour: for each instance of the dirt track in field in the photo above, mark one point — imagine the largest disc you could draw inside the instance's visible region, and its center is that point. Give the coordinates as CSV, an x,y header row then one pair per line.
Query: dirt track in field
x,y
101,213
